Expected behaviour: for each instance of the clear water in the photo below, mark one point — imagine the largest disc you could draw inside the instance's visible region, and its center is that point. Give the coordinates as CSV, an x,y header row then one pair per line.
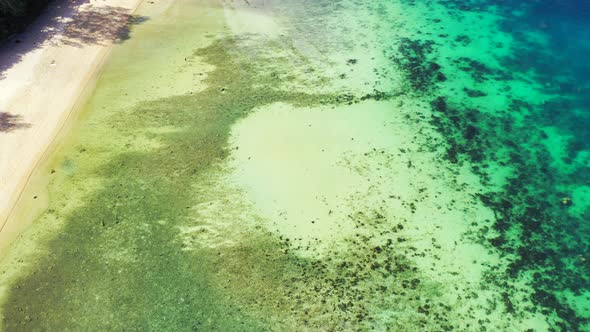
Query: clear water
x,y
323,165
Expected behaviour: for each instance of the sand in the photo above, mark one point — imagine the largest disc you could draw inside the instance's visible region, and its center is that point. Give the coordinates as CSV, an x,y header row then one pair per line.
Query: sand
x,y
287,174
42,90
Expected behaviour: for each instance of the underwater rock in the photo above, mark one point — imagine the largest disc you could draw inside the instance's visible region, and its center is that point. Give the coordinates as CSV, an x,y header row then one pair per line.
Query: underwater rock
x,y
474,93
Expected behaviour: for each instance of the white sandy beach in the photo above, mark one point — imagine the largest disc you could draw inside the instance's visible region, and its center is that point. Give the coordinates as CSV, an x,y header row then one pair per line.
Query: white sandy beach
x,y
46,71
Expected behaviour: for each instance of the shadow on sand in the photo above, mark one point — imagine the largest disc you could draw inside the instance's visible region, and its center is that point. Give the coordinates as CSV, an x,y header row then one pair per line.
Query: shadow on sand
x,y
10,122
99,26
69,23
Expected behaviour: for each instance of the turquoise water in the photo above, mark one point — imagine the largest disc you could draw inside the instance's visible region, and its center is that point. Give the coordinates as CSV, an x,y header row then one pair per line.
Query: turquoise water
x,y
322,165
542,209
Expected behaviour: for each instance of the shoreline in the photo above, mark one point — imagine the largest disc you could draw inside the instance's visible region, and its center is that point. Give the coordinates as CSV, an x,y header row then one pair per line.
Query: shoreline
x,y
284,180
42,92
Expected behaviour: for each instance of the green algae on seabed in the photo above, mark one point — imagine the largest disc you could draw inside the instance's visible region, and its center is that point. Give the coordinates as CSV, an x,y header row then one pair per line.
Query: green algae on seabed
x,y
118,262
154,238
106,270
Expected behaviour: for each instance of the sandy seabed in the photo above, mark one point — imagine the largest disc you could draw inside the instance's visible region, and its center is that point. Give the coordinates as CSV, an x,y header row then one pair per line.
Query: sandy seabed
x,y
264,166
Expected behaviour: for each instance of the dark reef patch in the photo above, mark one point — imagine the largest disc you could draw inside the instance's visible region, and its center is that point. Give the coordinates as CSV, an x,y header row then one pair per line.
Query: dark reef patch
x,y
536,230
472,93
529,209
463,40
415,58
479,71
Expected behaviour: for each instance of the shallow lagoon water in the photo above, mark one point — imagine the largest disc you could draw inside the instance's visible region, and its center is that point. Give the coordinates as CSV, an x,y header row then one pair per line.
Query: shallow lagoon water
x,y
340,165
